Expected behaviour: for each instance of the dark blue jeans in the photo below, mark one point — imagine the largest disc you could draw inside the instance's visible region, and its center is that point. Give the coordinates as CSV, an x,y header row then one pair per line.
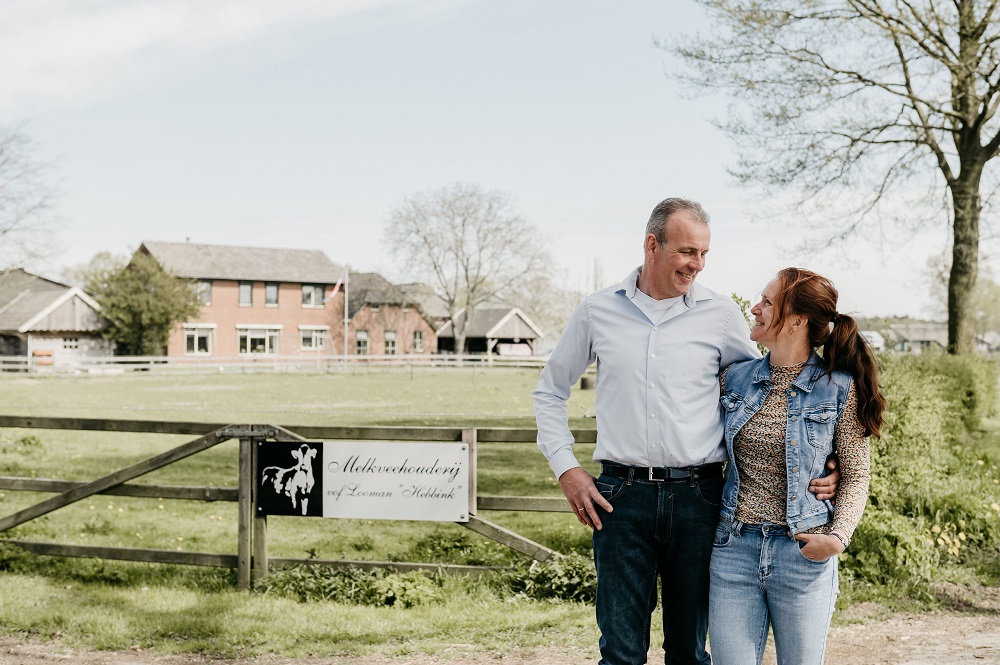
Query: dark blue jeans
x,y
657,529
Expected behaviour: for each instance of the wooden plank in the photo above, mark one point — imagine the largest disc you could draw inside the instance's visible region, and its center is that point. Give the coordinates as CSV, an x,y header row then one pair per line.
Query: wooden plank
x,y
106,425
245,515
399,566
485,434
541,504
521,435
128,554
260,557
469,439
379,433
509,538
183,492
116,478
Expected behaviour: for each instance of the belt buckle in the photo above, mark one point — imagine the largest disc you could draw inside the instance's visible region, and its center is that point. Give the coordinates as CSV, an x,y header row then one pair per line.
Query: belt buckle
x,y
655,480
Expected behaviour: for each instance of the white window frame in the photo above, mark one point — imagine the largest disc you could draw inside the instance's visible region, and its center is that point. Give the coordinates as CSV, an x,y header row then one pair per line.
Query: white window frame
x,y
204,287
313,334
197,331
71,343
418,341
269,336
248,285
389,336
310,294
359,337
268,286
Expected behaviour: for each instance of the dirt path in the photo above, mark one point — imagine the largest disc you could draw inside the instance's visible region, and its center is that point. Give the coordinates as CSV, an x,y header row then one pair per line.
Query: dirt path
x,y
932,639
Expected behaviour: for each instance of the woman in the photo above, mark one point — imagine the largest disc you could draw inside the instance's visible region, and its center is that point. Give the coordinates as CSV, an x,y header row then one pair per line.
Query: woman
x,y
774,561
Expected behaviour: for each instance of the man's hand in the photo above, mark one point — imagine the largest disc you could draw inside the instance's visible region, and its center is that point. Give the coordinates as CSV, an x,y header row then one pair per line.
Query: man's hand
x,y
825,488
581,492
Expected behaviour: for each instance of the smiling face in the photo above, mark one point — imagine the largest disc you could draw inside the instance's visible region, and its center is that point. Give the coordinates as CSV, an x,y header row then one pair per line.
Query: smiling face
x,y
763,316
670,270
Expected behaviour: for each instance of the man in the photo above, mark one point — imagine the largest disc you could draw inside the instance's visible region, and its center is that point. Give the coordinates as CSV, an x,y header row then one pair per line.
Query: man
x,y
660,341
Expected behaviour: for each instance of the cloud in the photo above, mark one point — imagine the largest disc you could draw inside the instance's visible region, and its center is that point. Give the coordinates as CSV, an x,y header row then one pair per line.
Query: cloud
x,y
70,52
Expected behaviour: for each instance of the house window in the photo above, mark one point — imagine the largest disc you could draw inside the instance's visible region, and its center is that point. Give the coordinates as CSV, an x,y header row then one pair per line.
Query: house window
x,y
71,343
258,340
375,307
390,342
197,341
418,341
271,294
246,294
313,337
204,289
361,343
312,295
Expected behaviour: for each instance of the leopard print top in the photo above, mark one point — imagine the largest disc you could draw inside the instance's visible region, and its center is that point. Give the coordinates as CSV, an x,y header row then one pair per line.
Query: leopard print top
x,y
759,448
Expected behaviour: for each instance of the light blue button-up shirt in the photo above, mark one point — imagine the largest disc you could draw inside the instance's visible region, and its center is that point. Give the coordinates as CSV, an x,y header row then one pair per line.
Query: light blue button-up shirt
x,y
657,380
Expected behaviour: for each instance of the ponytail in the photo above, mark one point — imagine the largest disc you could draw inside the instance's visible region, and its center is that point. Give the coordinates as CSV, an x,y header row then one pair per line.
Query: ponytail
x,y
847,350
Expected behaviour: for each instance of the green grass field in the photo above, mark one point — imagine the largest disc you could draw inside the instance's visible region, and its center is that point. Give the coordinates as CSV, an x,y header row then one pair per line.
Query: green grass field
x,y
115,605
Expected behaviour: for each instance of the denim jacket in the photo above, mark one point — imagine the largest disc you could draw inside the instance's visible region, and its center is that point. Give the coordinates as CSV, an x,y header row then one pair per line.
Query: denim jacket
x,y
815,403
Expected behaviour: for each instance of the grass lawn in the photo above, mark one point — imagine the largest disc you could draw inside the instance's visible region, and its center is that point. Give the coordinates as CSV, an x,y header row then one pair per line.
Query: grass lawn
x,y
114,605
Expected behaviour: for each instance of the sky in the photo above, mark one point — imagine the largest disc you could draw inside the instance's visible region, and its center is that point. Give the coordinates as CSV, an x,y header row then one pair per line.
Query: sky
x,y
303,124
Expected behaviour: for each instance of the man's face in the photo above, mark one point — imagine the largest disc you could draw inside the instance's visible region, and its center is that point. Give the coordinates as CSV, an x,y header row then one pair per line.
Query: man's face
x,y
674,266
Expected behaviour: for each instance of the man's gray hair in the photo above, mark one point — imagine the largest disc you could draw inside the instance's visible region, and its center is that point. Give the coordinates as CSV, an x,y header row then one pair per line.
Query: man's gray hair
x,y
657,224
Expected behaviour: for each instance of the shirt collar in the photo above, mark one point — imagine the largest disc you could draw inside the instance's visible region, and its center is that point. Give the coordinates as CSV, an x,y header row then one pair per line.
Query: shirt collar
x,y
695,294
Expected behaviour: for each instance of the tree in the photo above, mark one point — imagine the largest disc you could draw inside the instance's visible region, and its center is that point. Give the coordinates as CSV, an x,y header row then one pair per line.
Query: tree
x,y
985,300
468,244
25,202
885,103
141,301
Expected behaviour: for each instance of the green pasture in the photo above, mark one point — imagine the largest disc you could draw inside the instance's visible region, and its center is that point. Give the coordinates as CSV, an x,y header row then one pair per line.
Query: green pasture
x,y
175,608
933,515
427,397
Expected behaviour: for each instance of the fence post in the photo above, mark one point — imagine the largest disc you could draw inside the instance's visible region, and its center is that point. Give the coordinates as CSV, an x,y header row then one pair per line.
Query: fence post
x,y
469,438
260,562
245,514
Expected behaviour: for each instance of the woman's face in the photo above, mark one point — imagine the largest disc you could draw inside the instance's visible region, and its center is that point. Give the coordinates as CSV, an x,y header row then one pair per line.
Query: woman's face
x,y
763,315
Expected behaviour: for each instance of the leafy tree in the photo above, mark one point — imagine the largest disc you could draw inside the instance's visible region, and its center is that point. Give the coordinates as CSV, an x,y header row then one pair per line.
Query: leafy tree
x,y
468,244
985,296
141,301
864,108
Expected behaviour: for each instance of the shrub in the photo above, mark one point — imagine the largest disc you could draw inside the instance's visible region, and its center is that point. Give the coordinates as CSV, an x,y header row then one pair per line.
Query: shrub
x,y
931,495
354,586
563,577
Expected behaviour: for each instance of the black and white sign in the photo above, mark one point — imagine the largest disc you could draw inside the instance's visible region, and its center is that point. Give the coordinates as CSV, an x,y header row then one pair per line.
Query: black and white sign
x,y
365,480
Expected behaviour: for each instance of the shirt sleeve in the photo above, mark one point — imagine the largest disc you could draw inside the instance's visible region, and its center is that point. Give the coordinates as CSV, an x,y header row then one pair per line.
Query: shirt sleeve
x,y
573,354
736,344
851,444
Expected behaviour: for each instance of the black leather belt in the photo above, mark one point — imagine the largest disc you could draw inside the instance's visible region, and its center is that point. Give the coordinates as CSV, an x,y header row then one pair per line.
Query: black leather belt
x,y
662,473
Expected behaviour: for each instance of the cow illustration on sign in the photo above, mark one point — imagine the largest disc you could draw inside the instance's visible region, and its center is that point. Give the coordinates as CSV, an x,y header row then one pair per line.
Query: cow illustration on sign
x,y
295,482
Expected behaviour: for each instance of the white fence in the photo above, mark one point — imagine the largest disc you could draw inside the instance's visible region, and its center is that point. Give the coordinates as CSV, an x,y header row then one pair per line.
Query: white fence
x,y
256,364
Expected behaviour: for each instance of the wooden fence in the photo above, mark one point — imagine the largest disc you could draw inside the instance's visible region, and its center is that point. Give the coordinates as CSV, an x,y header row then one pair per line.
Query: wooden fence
x,y
255,363
251,559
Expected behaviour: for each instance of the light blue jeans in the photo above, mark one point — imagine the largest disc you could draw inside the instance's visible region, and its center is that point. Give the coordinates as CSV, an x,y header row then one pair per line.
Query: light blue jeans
x,y
760,579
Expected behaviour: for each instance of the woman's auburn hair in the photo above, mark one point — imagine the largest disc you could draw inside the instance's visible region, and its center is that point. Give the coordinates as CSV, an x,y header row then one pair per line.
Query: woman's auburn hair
x,y
842,347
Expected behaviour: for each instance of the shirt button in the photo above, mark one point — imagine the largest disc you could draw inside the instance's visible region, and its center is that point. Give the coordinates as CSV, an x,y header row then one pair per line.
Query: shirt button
x,y
652,385
794,442
656,327
793,498
652,355
791,393
795,469
652,415
794,418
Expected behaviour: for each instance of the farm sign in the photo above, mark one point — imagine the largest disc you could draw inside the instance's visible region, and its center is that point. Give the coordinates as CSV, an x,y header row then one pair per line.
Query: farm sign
x,y
364,480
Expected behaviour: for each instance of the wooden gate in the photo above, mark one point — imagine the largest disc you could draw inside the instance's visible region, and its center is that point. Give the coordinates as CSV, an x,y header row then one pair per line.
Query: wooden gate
x,y
251,560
